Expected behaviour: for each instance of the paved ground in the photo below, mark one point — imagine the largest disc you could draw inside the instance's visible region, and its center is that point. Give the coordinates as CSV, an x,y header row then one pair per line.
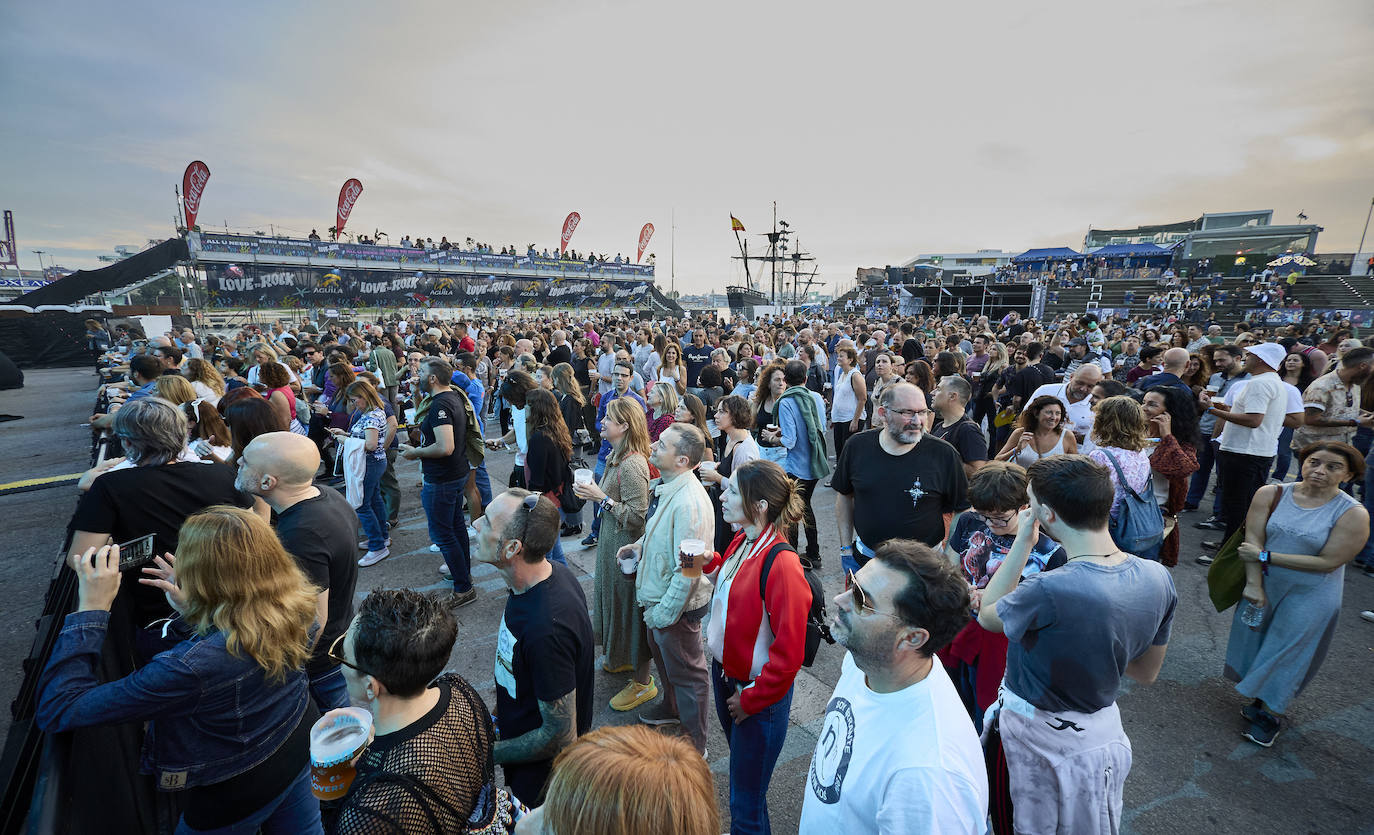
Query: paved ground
x,y
1192,770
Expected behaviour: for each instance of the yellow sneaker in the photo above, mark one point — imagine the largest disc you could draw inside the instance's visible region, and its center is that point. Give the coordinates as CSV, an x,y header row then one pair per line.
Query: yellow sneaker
x,y
634,694
623,668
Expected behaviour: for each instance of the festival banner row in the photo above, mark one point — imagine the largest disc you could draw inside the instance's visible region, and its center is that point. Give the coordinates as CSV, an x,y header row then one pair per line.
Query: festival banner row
x,y
254,285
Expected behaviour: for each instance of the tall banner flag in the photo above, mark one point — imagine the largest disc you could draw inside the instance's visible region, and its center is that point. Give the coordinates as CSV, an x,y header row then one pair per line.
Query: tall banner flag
x,y
9,250
644,235
192,187
348,195
569,227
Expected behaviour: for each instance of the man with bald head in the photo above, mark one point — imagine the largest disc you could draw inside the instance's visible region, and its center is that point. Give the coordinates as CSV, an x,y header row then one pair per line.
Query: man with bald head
x,y
320,530
1076,395
1174,362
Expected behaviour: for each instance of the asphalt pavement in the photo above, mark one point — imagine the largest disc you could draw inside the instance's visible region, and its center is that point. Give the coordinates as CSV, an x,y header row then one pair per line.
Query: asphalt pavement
x,y
1192,771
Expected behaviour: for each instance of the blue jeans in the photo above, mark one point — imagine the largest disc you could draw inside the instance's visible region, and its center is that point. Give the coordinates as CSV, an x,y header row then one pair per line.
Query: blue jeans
x,y
372,512
295,811
483,484
330,690
760,738
1206,458
448,528
556,554
1285,454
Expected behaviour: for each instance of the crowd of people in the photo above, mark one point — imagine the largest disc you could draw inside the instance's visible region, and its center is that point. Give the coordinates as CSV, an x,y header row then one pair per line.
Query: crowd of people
x,y
1008,496
470,245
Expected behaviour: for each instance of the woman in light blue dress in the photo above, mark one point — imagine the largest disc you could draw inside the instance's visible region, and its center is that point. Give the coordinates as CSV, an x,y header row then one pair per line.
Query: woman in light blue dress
x,y
1295,568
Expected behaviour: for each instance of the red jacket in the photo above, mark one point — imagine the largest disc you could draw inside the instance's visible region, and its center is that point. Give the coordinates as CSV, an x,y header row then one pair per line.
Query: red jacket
x,y
786,603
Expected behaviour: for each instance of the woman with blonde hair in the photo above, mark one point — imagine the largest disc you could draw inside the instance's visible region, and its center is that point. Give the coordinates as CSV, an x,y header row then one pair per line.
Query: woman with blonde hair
x,y
662,404
228,707
629,780
624,497
174,389
208,383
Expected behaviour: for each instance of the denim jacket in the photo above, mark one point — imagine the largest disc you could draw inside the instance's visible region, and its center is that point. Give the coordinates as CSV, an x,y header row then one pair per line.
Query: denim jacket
x,y
212,716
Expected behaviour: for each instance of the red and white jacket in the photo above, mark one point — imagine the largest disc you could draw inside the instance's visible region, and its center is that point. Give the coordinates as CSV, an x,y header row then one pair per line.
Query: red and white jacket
x,y
759,639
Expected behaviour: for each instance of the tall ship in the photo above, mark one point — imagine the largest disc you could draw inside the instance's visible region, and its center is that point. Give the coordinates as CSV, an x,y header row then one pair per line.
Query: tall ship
x,y
779,279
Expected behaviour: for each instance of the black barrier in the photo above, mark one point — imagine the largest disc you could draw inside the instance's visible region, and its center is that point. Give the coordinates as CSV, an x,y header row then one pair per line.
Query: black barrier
x,y
50,339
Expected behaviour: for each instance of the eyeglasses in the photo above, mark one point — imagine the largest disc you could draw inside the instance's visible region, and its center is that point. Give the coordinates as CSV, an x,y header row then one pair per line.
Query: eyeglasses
x,y
996,521
908,414
862,598
335,656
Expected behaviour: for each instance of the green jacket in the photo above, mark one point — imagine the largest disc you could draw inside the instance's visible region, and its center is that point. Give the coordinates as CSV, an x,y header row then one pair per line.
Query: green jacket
x,y
383,361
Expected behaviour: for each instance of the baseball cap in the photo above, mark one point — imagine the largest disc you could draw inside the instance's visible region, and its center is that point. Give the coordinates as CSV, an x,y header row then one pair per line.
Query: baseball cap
x,y
1270,353
1077,340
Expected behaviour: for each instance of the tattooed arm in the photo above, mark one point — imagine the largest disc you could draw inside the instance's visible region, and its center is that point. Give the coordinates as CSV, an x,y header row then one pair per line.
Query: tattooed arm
x,y
556,732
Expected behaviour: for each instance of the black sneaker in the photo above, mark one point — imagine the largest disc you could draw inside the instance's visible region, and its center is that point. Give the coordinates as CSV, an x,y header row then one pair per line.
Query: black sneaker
x,y
1252,711
570,531
459,599
589,541
1211,524
1264,730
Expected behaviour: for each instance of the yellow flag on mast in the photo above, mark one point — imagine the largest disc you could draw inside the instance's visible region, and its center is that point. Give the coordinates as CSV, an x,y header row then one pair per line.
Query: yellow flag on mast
x,y
735,225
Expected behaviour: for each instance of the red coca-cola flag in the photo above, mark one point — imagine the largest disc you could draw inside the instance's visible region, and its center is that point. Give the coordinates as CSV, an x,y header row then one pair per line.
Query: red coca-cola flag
x,y
644,235
569,227
348,195
192,187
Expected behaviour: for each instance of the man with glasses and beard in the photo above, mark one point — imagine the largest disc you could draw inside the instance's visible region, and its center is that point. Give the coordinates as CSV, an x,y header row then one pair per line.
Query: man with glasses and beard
x,y
896,482
896,751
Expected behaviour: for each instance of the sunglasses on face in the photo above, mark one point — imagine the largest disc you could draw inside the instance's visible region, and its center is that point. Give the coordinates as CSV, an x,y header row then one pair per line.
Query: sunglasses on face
x,y
862,600
335,656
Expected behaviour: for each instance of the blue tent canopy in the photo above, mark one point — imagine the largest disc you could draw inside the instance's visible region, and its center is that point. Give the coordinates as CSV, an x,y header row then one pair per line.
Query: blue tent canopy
x,y
1145,250
1058,253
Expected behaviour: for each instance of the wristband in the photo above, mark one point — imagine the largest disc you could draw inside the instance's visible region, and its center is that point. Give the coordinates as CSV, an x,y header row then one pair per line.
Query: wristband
x,y
846,549
1264,563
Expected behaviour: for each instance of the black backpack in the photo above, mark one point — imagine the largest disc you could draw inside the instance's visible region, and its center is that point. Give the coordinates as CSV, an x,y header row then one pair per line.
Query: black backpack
x,y
817,629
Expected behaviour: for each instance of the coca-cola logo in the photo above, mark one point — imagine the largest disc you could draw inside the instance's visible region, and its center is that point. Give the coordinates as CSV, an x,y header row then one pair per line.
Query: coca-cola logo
x,y
197,175
348,197
570,226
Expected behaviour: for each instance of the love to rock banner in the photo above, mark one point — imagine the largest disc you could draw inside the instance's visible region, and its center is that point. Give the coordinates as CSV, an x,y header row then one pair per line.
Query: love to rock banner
x,y
253,285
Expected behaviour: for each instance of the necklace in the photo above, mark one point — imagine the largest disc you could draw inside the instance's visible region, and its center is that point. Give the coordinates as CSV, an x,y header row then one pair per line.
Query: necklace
x,y
1085,556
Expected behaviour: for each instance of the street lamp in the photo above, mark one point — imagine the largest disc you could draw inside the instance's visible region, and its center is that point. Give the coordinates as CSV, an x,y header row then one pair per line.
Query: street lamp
x,y
40,253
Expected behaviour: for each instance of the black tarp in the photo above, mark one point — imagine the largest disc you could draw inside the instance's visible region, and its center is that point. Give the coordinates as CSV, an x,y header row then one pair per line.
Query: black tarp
x,y
51,339
131,270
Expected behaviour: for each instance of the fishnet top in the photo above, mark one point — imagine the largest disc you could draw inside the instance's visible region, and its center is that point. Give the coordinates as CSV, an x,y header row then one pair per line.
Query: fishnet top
x,y
436,776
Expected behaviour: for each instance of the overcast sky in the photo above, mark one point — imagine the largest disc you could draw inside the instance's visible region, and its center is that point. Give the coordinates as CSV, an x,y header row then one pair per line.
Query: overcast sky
x,y
882,129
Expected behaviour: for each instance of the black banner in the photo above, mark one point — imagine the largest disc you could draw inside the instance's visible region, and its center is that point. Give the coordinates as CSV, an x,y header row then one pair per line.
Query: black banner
x,y
257,285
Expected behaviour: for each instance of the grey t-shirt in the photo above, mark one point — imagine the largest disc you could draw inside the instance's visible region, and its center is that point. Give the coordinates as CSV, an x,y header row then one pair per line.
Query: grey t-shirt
x,y
1072,631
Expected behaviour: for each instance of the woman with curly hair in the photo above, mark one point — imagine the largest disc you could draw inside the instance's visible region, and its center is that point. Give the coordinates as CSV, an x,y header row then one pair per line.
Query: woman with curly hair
x,y
208,383
229,707
1121,434
1039,433
1174,421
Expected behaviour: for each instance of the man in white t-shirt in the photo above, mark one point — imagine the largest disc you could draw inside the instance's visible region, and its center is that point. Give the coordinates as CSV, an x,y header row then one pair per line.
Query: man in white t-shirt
x,y
1076,395
897,752
1251,436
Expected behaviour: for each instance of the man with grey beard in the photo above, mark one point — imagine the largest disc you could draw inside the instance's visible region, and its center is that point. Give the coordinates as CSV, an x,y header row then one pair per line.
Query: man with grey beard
x,y
896,482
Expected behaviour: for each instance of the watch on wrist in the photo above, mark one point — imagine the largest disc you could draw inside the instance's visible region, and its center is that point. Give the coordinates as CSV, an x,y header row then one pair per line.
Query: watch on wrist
x,y
606,504
1264,562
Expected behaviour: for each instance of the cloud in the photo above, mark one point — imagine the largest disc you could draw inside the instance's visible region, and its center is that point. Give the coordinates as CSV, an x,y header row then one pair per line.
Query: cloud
x,y
881,129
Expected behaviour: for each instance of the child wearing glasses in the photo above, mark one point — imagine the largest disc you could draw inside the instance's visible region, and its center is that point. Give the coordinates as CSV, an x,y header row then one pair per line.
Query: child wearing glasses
x,y
978,543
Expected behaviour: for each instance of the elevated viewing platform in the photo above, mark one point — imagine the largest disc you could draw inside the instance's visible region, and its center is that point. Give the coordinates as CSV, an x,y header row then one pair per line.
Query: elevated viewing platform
x,y
214,248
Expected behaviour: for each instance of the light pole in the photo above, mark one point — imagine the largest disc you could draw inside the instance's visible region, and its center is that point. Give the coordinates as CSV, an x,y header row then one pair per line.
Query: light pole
x,y
41,252
1366,228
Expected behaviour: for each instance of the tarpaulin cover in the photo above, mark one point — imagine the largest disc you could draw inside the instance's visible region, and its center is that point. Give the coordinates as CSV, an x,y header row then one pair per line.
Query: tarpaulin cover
x,y
131,270
1145,250
50,339
1058,253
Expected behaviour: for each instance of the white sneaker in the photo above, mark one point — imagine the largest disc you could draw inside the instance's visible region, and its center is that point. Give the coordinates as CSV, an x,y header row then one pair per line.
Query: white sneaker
x,y
443,569
374,557
434,549
1367,615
